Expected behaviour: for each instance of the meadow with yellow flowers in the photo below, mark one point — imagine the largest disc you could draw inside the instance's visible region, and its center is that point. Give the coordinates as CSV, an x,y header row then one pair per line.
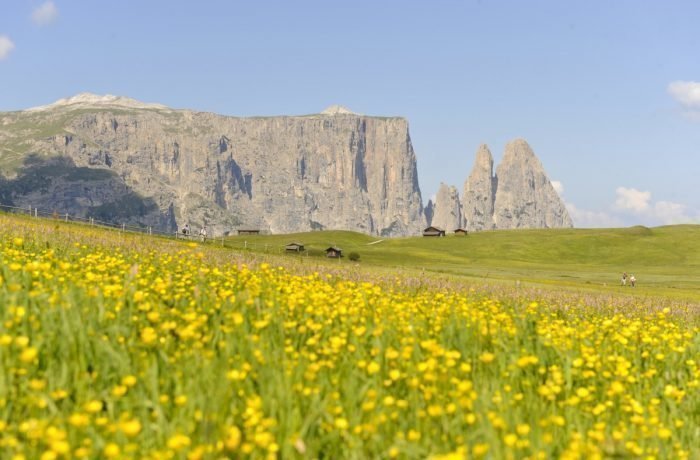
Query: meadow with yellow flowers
x,y
118,346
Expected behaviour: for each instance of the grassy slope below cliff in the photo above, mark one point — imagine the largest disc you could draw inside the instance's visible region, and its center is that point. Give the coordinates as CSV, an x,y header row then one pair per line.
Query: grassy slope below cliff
x,y
665,260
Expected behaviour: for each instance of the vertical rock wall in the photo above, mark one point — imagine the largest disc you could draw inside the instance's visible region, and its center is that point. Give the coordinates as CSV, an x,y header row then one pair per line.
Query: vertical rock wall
x,y
282,174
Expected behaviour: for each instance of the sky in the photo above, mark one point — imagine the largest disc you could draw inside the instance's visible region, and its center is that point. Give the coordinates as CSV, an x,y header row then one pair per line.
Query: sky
x,y
606,93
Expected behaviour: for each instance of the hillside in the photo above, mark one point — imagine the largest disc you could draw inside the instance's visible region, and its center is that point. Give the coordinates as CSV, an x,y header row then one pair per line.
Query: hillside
x,y
665,260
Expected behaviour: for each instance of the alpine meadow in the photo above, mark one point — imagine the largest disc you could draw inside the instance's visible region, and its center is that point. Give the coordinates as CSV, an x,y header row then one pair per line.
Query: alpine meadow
x,y
115,345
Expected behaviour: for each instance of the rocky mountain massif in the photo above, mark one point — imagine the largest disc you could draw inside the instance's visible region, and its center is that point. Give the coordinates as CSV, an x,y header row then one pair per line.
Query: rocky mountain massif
x,y
125,161
519,195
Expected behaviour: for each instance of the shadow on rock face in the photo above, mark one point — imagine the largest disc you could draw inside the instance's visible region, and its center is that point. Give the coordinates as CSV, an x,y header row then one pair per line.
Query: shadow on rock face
x,y
57,184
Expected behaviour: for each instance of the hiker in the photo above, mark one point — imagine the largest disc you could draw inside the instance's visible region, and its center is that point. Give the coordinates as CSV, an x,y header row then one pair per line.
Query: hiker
x,y
633,280
203,234
624,279
186,229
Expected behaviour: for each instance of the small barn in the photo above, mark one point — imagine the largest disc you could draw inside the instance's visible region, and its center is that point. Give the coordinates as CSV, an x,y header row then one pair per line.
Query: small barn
x,y
334,252
248,231
461,232
294,247
433,231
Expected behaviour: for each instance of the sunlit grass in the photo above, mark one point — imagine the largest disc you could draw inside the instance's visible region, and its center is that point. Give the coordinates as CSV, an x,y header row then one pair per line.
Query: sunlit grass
x,y
119,346
665,260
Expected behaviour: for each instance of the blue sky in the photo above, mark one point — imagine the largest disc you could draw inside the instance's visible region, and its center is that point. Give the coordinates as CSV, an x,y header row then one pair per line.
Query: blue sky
x,y
606,93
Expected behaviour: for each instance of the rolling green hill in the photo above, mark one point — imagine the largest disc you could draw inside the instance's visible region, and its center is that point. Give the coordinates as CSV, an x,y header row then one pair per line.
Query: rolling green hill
x,y
665,260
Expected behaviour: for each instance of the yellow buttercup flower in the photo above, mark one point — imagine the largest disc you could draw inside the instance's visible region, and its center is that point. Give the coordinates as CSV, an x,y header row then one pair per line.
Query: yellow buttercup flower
x,y
111,450
130,428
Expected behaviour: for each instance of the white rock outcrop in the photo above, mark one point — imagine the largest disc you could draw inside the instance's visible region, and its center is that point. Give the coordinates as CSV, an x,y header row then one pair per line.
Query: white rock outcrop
x,y
89,100
337,110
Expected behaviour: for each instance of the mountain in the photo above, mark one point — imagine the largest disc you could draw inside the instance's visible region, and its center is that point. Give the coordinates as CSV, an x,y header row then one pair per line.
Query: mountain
x,y
479,192
525,198
447,212
519,195
125,161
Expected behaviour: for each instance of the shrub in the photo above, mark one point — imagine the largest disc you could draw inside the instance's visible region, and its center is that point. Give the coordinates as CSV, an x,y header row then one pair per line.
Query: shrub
x,y
354,256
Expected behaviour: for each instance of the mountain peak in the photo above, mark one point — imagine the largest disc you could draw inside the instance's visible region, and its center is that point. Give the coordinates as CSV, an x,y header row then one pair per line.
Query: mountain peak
x,y
524,194
446,212
90,100
484,159
478,194
519,148
338,110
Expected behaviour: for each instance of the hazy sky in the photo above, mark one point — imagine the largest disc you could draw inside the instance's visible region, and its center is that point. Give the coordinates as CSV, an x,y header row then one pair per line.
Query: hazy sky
x,y
606,93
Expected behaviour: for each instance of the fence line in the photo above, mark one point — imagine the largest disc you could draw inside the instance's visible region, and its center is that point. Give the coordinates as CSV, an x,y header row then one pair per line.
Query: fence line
x,y
91,221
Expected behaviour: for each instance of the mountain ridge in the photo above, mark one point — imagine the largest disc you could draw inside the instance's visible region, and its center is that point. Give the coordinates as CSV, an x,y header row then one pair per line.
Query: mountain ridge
x,y
89,100
330,170
278,173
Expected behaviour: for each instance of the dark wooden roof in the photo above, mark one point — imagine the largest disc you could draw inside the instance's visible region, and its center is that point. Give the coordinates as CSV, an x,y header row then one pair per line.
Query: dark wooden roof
x,y
433,231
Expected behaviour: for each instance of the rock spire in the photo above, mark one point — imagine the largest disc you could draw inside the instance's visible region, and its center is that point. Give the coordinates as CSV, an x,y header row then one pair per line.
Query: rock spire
x,y
519,195
479,190
447,213
525,198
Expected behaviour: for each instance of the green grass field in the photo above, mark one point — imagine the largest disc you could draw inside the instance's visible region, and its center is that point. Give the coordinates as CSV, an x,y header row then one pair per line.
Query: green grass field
x,y
665,260
119,345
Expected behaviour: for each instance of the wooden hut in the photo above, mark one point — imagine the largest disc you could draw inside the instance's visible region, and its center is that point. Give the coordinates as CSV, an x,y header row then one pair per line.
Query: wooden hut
x,y
294,247
433,231
334,252
248,231
461,232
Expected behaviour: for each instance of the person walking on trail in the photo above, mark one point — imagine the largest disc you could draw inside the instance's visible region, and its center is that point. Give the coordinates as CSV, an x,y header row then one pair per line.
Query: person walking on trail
x,y
633,280
203,234
623,281
186,229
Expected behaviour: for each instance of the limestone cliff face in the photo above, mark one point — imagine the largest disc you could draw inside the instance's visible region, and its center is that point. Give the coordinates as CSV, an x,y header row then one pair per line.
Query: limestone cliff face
x,y
284,174
479,191
525,197
447,213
